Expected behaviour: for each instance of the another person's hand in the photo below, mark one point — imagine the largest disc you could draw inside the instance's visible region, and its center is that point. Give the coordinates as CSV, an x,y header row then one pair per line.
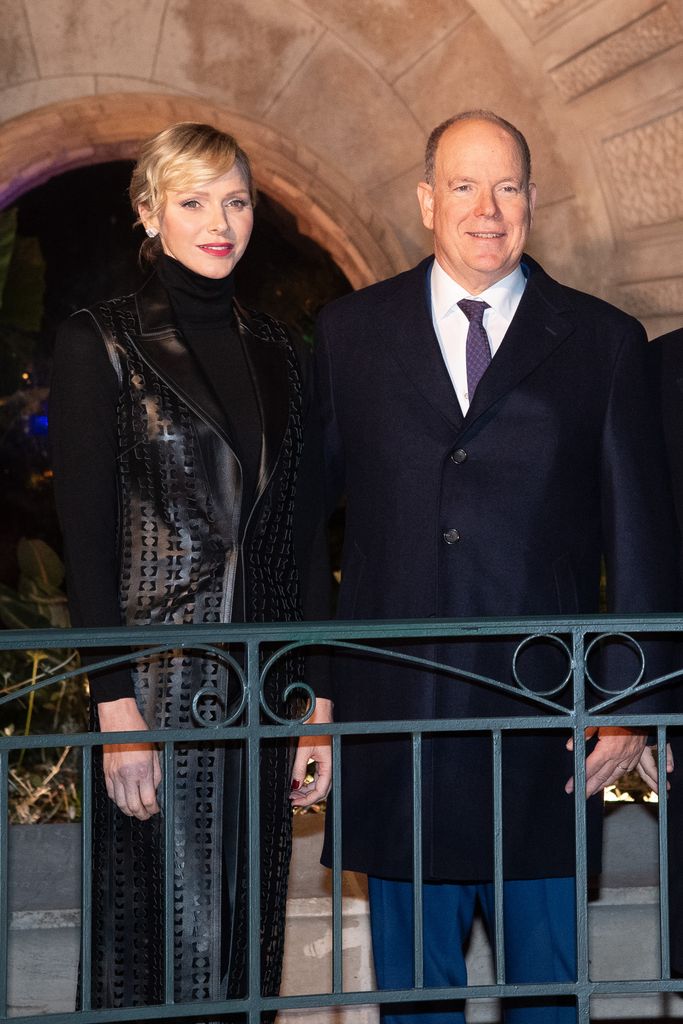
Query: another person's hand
x,y
617,751
647,767
131,770
313,748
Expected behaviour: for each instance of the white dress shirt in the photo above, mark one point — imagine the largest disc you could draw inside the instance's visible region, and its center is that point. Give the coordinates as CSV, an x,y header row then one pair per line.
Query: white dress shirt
x,y
451,324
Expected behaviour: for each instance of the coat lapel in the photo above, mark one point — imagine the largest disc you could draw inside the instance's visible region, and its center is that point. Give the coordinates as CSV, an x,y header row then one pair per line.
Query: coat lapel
x,y
267,359
409,330
540,324
163,347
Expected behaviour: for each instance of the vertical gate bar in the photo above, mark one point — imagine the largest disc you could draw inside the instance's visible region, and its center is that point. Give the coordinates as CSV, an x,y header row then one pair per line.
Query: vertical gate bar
x,y
581,851
665,952
168,811
418,937
4,878
499,910
337,921
253,815
86,880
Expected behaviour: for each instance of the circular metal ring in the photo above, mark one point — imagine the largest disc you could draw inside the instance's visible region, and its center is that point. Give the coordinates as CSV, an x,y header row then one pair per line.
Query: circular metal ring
x,y
559,642
634,646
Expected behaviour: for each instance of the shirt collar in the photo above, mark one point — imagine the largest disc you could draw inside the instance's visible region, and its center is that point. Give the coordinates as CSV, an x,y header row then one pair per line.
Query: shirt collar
x,y
503,296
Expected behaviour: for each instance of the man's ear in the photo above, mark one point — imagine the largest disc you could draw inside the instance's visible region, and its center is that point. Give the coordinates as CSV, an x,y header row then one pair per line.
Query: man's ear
x,y
425,197
532,201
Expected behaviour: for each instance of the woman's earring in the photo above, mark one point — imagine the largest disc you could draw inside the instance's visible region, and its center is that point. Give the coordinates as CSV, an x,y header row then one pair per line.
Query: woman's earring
x,y
151,232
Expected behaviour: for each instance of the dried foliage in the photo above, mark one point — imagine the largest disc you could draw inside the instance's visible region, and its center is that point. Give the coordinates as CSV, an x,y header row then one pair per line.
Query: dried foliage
x,y
43,782
45,792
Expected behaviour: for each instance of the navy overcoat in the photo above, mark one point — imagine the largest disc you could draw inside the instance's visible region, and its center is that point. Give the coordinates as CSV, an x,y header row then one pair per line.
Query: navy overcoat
x,y
505,512
669,350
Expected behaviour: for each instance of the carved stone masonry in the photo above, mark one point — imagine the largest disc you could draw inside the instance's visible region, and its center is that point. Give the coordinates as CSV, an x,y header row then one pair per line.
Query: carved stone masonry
x,y
644,165
537,8
660,297
630,45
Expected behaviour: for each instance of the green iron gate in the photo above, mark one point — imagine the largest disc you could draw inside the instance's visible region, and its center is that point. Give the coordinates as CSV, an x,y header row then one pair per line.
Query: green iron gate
x,y
251,651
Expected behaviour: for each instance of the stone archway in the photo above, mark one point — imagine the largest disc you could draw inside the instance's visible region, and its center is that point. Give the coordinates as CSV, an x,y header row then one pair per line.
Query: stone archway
x,y
94,129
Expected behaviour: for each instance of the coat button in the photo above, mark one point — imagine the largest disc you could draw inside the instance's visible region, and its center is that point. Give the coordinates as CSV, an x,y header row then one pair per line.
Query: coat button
x,y
451,536
458,456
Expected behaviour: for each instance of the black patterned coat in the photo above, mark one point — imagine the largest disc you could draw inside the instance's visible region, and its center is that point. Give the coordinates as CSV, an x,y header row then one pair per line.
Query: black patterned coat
x,y
185,538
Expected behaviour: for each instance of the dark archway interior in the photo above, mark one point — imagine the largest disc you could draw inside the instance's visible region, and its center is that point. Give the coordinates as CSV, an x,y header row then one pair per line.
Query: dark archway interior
x,y
68,244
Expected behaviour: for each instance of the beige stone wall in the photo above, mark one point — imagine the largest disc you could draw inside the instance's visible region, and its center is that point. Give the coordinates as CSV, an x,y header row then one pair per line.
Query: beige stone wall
x,y
335,98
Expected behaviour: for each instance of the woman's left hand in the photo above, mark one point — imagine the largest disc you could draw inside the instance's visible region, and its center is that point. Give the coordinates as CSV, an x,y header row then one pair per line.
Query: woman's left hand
x,y
313,748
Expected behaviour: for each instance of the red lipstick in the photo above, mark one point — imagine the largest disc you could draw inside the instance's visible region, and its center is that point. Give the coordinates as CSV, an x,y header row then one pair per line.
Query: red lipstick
x,y
219,249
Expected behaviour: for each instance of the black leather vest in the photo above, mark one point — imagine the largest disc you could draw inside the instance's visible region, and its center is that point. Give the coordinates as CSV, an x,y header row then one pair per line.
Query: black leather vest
x,y
183,531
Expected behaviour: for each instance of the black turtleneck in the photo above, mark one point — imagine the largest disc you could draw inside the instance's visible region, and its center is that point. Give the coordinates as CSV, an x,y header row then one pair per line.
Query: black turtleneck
x,y
203,310
196,299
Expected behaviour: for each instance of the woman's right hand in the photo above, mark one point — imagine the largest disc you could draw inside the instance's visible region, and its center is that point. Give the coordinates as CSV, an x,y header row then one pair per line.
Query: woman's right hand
x,y
313,748
132,771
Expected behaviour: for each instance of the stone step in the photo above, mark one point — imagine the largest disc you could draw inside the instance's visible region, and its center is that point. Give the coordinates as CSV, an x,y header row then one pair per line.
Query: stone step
x,y
44,958
624,926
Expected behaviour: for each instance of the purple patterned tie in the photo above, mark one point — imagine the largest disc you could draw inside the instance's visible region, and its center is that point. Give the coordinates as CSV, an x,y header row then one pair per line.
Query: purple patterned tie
x,y
478,350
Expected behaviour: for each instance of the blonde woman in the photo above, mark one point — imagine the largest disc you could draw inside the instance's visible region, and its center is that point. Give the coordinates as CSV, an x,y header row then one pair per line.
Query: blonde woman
x,y
185,458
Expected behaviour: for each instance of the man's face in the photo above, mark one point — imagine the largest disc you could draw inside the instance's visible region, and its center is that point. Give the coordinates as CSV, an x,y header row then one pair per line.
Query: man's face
x,y
478,208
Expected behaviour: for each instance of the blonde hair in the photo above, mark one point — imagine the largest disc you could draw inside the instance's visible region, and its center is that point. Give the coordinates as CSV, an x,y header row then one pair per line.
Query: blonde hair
x,y
184,155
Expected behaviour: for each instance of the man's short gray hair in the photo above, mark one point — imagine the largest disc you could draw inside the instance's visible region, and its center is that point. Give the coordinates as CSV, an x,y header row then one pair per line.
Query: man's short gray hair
x,y
477,115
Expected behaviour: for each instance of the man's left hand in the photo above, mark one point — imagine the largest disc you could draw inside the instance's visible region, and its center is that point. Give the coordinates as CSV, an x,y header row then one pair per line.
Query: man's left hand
x,y
647,767
617,751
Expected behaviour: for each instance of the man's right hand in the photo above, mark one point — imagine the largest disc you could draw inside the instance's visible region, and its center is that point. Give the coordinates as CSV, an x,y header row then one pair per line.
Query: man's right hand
x,y
131,770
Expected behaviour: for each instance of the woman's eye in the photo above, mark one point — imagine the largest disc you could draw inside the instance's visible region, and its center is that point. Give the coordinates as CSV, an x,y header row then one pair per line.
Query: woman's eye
x,y
238,204
190,204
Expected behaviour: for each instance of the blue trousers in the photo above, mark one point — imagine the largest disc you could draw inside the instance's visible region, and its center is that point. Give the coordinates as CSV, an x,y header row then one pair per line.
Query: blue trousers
x,y
540,943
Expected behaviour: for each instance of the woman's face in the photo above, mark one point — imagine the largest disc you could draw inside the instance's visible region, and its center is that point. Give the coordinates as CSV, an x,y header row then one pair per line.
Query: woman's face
x,y
206,228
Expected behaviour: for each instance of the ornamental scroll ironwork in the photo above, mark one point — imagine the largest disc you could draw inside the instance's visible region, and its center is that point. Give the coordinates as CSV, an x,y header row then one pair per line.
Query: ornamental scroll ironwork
x,y
539,697
208,698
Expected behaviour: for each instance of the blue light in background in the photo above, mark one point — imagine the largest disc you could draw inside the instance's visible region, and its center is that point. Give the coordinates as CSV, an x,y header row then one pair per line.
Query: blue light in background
x,y
37,424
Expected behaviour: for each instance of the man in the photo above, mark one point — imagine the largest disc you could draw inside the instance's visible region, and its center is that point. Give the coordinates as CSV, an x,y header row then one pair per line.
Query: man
x,y
492,450
668,352
669,349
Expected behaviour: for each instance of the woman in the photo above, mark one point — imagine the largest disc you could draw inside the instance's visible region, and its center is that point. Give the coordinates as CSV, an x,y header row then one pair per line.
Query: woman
x,y
185,475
